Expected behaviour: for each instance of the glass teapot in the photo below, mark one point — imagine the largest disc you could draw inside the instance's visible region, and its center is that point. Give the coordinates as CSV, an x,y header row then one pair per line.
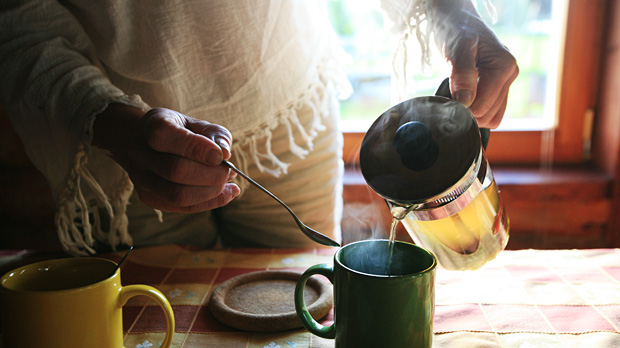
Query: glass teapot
x,y
425,157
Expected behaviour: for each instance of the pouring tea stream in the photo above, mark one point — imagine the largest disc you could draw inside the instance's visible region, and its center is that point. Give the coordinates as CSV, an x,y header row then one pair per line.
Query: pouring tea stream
x,y
425,157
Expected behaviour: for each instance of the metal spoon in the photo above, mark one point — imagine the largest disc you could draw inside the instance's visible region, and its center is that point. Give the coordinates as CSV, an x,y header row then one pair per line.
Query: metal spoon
x,y
312,234
120,263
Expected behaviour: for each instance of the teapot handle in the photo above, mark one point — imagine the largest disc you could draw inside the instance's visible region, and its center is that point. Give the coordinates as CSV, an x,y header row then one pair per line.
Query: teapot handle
x,y
444,91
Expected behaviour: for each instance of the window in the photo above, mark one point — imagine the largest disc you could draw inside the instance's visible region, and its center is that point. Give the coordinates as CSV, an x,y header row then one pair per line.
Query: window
x,y
557,49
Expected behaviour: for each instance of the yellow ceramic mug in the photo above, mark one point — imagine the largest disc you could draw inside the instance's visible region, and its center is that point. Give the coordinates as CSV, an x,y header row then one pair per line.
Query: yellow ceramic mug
x,y
69,303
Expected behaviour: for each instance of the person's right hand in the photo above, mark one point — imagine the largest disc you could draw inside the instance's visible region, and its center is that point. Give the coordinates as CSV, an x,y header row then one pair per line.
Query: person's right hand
x,y
173,160
482,67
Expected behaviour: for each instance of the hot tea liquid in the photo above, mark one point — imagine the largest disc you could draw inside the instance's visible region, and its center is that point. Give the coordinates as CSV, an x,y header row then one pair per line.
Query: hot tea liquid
x,y
388,269
467,239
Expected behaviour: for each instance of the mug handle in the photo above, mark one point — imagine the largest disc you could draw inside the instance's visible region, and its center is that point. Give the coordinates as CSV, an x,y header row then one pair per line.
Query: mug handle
x,y
300,303
134,290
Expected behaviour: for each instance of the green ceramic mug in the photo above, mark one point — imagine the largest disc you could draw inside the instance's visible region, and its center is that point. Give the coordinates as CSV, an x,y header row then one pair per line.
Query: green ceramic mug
x,y
374,307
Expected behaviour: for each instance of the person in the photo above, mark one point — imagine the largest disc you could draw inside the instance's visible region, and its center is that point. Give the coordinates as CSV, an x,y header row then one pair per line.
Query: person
x,y
129,109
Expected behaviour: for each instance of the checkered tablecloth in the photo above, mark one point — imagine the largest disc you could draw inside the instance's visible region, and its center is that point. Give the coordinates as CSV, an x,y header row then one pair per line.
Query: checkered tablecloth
x,y
523,299
532,299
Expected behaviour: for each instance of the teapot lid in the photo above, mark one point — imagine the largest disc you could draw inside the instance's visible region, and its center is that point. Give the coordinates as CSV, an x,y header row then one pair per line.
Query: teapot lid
x,y
421,150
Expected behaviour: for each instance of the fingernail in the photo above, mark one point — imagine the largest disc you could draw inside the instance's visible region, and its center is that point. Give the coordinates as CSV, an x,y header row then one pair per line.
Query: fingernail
x,y
223,144
214,158
464,96
234,190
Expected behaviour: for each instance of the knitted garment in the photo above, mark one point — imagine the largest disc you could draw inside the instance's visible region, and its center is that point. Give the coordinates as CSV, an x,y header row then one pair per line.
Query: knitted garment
x,y
247,65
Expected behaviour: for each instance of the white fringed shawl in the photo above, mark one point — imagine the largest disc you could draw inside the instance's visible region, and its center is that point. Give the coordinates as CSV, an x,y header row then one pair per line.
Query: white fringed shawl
x,y
247,65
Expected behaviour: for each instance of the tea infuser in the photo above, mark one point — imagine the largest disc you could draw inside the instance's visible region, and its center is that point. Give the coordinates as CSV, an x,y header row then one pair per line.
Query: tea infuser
x,y
426,157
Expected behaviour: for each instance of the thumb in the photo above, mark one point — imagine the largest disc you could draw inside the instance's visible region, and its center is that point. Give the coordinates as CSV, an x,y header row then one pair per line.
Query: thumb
x,y
169,131
214,132
464,76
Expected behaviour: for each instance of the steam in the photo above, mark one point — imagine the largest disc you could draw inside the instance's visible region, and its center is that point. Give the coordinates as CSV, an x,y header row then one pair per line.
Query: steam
x,y
443,117
363,221
365,218
439,115
371,257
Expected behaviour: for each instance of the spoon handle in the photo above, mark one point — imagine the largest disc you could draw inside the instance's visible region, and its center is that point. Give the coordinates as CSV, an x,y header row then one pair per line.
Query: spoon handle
x,y
310,233
121,262
232,166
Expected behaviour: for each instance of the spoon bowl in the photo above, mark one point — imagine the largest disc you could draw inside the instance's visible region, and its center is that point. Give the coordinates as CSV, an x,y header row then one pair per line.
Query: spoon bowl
x,y
310,233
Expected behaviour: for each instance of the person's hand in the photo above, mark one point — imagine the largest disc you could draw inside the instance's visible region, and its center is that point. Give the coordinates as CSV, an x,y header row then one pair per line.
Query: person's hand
x,y
482,68
173,160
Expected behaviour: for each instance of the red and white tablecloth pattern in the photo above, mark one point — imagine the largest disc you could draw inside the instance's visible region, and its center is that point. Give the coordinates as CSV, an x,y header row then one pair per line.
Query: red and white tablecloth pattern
x,y
523,299
532,299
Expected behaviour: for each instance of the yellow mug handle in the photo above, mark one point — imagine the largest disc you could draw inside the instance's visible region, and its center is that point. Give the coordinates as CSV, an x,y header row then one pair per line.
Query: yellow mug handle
x,y
134,290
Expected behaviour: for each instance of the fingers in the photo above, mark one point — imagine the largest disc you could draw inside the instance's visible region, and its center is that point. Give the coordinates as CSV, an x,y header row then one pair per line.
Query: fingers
x,y
165,195
490,104
481,78
217,134
177,166
482,68
189,199
177,184
464,76
170,132
497,118
185,171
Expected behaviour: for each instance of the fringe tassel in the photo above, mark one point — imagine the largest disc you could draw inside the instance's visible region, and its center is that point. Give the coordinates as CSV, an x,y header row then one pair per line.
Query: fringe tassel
x,y
160,215
307,136
418,12
294,148
78,221
399,66
76,232
119,232
317,99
